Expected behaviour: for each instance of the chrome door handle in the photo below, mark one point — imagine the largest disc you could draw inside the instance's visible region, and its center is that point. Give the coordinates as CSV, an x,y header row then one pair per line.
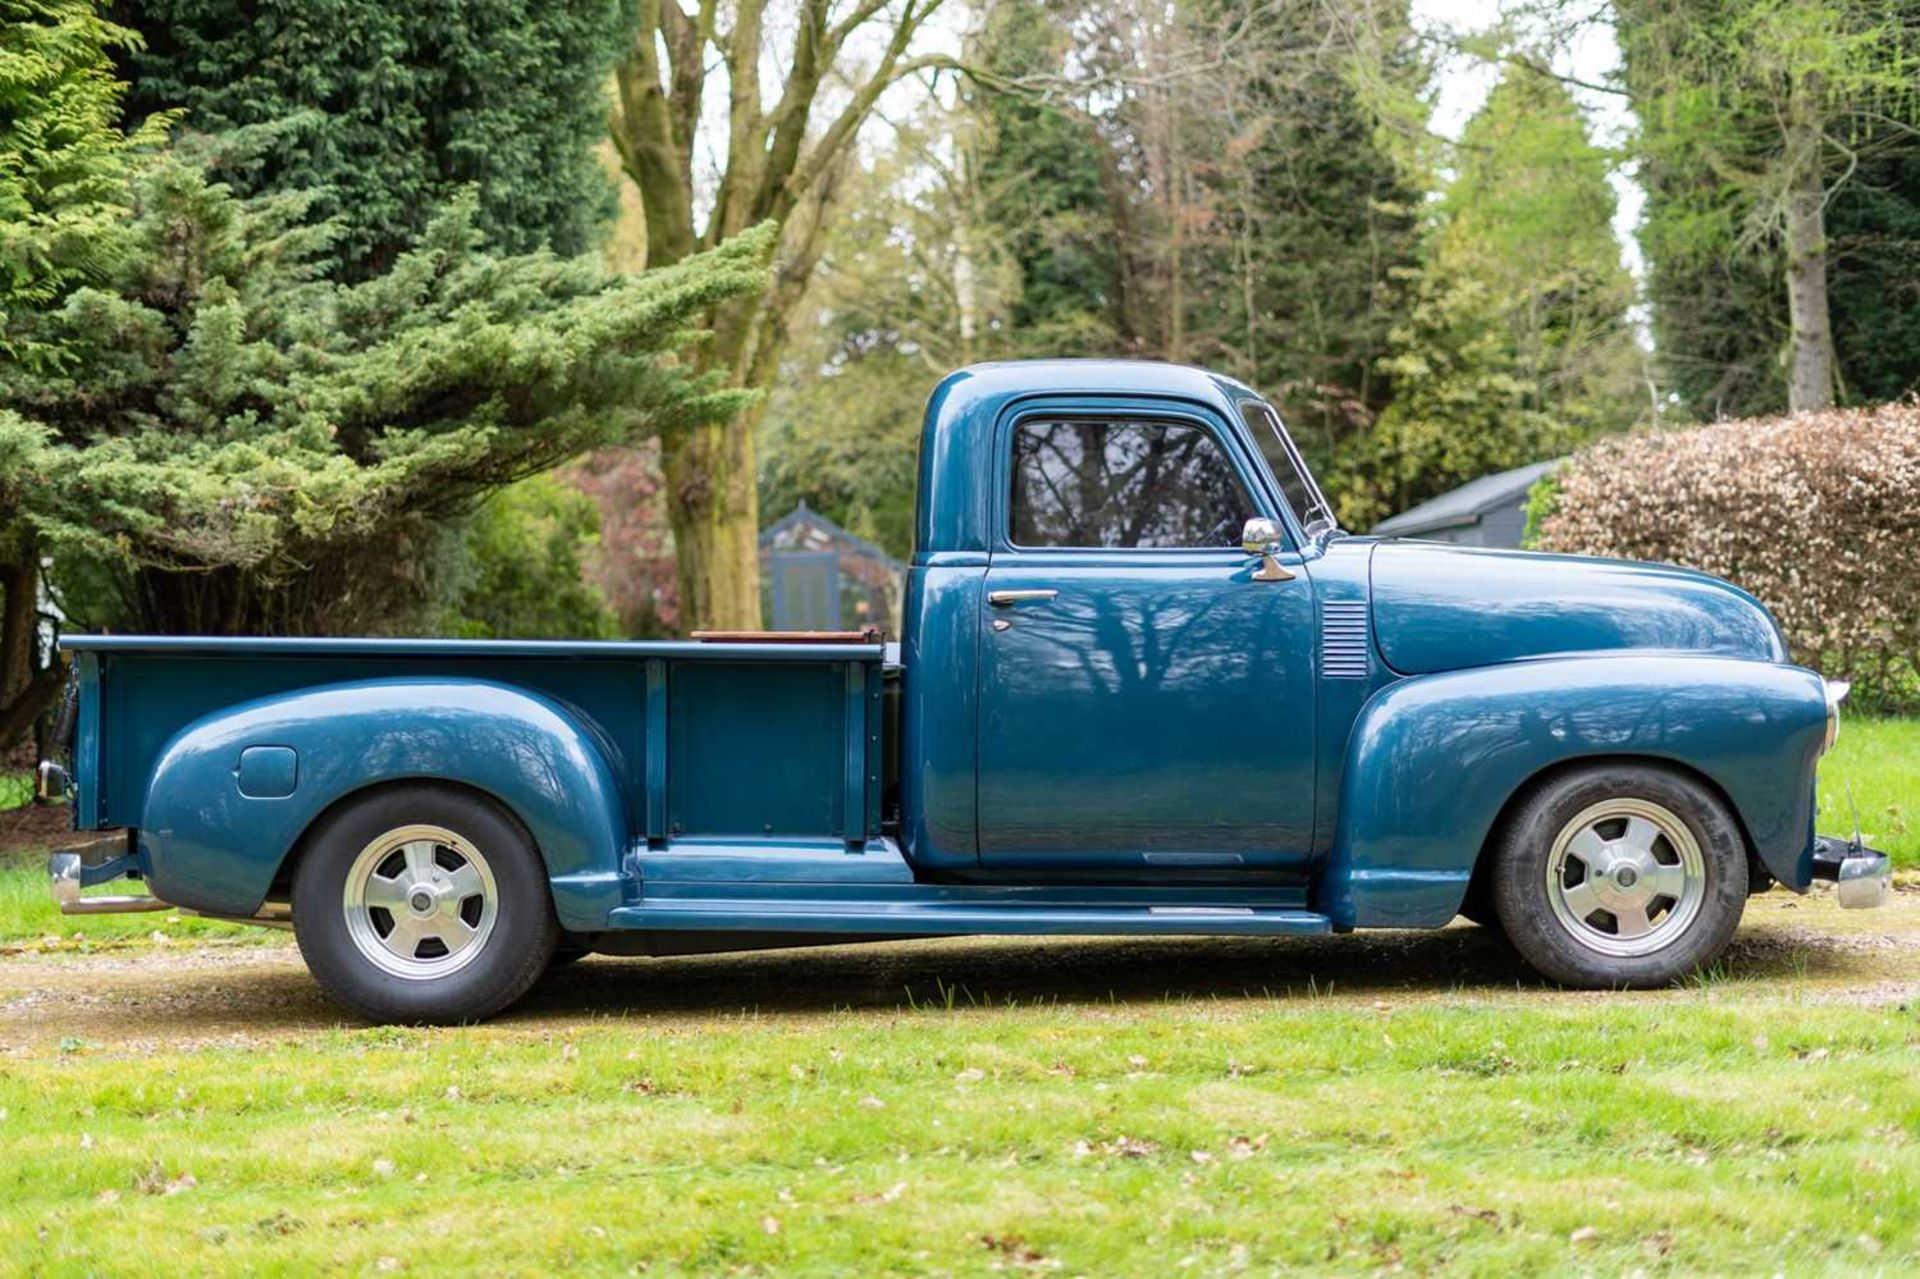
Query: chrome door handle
x,y
1001,599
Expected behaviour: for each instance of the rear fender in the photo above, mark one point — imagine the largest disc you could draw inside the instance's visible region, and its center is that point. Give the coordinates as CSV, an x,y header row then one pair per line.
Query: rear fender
x,y
1432,762
215,831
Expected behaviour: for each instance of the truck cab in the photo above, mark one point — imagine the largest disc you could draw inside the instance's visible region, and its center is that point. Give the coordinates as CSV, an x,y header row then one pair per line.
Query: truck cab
x,y
1145,685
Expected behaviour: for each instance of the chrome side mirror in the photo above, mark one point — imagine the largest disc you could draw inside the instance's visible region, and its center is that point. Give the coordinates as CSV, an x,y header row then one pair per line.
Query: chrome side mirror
x,y
1261,536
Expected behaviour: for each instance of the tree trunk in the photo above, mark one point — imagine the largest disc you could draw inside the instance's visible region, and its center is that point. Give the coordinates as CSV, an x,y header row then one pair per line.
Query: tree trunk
x,y
1810,380
714,512
26,688
1810,376
19,615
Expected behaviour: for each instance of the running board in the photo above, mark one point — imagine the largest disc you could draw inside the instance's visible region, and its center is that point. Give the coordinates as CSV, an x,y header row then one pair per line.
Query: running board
x,y
949,918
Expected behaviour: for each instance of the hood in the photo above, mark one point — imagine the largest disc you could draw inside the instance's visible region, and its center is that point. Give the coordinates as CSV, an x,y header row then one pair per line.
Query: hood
x,y
1443,608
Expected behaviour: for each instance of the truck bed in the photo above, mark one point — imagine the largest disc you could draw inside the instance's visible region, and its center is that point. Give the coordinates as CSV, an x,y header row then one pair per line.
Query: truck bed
x,y
752,740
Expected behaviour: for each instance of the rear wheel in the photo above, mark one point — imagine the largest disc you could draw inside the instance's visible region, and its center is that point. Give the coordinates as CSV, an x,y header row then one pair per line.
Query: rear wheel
x,y
1620,875
423,904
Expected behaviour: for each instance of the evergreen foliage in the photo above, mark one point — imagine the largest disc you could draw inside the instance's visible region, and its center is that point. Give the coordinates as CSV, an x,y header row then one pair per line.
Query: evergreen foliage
x,y
1252,217
64,170
63,163
235,443
1046,190
400,106
1518,346
522,568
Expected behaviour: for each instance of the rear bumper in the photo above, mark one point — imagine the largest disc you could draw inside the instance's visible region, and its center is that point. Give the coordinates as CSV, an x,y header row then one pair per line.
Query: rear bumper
x,y
95,862
81,866
1862,876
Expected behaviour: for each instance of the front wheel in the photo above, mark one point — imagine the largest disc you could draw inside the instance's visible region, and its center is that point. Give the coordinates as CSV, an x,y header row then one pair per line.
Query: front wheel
x,y
1620,875
423,903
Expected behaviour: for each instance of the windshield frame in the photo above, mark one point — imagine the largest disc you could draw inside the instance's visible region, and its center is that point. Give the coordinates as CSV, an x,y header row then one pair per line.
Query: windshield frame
x,y
1318,521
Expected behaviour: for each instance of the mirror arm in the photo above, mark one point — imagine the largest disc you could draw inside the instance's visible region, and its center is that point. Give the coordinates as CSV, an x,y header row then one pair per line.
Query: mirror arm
x,y
1270,569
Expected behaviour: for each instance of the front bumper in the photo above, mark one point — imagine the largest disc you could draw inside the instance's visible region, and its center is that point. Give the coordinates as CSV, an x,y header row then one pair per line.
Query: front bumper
x,y
1862,876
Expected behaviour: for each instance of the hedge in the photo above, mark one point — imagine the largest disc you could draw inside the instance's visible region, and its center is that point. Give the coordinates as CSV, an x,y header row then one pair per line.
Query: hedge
x,y
1818,515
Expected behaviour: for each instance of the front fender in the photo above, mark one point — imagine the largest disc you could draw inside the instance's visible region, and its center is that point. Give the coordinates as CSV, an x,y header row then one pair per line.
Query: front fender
x,y
1432,761
209,844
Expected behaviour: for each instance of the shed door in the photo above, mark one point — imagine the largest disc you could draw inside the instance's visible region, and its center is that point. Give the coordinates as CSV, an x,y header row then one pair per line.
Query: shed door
x,y
806,591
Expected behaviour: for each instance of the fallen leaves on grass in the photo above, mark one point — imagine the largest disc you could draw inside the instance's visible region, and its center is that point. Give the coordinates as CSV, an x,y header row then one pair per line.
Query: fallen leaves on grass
x,y
887,1196
1014,1249
1123,1146
281,1222
154,1181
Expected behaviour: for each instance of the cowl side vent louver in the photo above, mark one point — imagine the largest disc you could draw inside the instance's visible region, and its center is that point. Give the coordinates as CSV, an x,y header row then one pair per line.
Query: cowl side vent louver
x,y
1343,640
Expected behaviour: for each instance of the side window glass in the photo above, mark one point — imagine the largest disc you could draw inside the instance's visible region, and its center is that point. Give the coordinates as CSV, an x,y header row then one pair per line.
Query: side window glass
x,y
1149,485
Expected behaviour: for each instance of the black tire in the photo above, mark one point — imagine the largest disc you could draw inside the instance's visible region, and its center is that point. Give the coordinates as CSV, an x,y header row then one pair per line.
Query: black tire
x,y
508,956
1685,932
1477,906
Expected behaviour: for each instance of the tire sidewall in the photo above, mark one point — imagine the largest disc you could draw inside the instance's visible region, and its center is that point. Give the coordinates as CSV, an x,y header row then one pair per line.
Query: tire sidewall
x,y
1519,877
513,954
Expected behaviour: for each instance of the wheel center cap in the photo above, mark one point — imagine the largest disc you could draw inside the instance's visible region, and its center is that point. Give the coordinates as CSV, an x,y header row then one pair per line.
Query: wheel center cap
x,y
1626,876
422,901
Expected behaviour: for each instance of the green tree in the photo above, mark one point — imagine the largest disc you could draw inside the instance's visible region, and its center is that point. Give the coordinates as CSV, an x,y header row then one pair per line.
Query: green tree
x,y
1211,183
400,106
1759,119
1046,188
1207,182
239,444
916,278
63,161
1519,345
784,155
521,571
64,172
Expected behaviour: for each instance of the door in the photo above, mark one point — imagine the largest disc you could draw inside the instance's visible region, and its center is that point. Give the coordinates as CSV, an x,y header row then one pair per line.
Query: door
x,y
806,591
1146,704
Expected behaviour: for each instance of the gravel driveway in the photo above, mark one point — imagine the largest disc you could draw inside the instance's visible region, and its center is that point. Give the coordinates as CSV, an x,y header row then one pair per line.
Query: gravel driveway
x,y
175,995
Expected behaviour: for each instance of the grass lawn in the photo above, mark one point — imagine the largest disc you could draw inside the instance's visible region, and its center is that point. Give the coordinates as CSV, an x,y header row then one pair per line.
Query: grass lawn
x,y
1103,1107
1739,1126
1099,1107
1880,760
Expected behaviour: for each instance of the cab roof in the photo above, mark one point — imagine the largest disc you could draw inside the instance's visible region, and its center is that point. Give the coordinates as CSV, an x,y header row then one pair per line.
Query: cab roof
x,y
957,437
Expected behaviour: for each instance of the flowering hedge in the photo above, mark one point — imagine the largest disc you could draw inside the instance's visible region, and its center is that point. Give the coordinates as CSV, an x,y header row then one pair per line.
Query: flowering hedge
x,y
1818,515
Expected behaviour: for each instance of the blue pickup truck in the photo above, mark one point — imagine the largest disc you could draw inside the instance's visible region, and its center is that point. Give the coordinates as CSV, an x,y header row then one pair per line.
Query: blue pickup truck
x,y
1145,685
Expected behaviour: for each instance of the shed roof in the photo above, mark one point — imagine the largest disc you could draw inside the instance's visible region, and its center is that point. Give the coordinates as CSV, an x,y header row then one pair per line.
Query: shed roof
x,y
1467,504
806,515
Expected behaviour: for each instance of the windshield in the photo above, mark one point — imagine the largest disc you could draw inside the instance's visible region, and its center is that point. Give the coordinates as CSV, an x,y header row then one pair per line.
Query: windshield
x,y
1309,504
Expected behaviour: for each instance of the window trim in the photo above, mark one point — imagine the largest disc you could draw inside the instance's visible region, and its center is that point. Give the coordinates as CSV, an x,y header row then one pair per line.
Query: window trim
x,y
1084,410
